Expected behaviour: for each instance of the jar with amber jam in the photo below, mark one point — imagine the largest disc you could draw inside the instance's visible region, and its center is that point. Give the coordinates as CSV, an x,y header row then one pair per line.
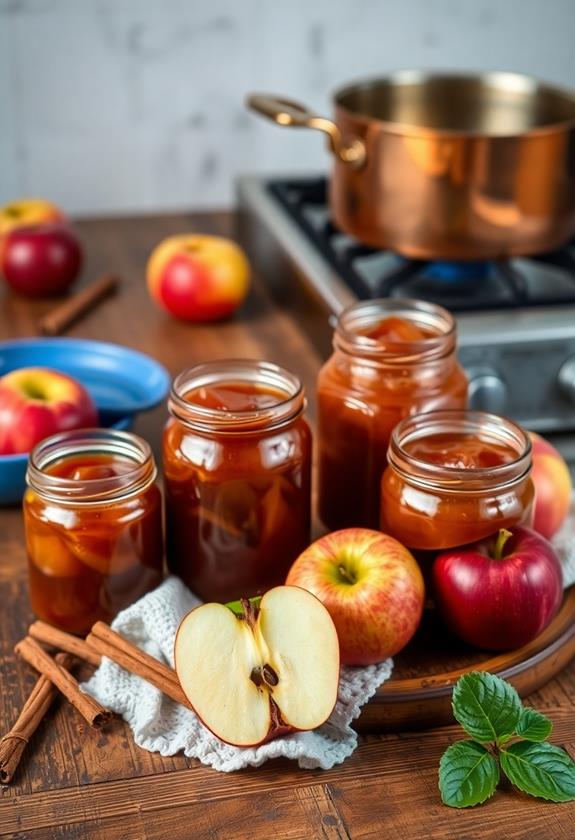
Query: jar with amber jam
x,y
455,477
237,464
392,358
93,526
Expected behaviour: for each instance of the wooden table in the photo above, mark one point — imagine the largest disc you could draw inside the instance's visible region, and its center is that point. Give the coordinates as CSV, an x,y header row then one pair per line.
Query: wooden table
x,y
77,783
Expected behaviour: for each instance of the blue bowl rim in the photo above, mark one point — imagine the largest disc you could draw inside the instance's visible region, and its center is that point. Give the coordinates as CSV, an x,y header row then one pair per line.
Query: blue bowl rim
x,y
106,348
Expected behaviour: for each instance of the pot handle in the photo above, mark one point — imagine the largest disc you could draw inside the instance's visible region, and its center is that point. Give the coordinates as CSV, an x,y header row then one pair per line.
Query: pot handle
x,y
289,113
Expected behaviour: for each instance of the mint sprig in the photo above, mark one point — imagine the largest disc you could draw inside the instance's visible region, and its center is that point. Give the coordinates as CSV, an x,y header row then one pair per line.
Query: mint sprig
x,y
490,711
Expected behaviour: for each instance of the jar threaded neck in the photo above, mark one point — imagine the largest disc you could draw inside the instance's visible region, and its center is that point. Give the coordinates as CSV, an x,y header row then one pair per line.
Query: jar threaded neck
x,y
480,424
350,337
72,444
247,372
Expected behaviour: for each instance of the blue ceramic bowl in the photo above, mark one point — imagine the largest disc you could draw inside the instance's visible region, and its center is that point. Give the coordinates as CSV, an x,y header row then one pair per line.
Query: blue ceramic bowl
x,y
122,383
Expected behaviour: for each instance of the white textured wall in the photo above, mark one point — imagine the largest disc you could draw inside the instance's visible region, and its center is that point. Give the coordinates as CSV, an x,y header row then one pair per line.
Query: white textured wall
x,y
119,105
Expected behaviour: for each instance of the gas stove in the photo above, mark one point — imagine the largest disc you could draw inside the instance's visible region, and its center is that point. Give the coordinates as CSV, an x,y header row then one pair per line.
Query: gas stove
x,y
516,317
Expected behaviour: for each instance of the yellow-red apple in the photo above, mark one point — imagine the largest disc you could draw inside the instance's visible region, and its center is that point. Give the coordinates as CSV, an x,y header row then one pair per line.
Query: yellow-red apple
x,y
38,402
372,588
197,277
26,212
553,487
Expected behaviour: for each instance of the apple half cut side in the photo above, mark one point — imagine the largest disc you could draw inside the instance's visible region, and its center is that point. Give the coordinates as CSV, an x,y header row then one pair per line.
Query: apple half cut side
x,y
268,672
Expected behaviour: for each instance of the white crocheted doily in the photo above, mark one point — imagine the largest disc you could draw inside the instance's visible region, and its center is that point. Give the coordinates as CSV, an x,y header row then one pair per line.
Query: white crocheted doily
x,y
160,725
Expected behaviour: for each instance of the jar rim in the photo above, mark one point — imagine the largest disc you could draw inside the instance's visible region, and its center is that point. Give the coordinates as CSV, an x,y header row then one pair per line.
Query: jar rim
x,y
254,371
426,315
90,490
484,425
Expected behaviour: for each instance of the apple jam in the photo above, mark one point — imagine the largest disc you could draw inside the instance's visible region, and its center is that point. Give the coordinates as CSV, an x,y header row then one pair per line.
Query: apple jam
x,y
237,471
93,526
392,359
455,477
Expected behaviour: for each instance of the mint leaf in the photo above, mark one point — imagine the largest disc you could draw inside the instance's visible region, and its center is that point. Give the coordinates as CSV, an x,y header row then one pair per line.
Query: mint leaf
x,y
468,774
533,726
541,770
486,706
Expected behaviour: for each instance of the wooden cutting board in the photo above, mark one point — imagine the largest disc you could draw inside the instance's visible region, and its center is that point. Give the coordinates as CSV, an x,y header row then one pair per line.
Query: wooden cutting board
x,y
418,695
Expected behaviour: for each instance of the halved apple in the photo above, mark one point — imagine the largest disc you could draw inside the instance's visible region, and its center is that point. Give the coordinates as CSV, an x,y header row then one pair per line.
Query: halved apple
x,y
270,671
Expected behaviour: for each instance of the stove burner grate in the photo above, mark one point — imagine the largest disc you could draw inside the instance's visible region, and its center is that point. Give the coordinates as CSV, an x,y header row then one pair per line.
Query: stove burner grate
x,y
460,286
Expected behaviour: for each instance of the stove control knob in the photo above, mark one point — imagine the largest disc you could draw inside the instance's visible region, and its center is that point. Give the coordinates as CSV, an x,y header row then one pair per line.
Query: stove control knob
x,y
487,391
566,378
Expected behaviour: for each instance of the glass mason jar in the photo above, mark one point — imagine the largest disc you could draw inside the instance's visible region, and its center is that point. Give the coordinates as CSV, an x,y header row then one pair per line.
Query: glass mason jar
x,y
392,358
455,477
93,526
237,470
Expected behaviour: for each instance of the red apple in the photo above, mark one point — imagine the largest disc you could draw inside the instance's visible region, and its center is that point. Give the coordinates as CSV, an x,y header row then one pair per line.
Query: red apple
x,y
26,212
38,402
553,487
40,260
372,588
269,670
198,277
500,593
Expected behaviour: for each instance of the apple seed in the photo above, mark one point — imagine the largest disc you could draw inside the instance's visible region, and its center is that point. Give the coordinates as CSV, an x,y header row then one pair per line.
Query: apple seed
x,y
270,676
266,675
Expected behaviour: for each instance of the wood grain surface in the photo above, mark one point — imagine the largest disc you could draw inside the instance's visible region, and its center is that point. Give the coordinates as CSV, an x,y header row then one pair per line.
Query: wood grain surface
x,y
78,783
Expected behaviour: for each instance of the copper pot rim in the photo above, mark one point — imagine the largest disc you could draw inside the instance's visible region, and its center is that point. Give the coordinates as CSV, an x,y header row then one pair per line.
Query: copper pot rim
x,y
531,84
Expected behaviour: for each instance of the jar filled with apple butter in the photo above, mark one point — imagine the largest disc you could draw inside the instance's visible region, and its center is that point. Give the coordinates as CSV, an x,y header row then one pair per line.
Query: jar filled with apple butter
x,y
392,358
237,473
93,526
455,477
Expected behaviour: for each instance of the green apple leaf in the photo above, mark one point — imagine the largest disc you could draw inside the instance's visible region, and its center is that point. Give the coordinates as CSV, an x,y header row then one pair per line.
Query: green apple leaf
x,y
486,706
533,726
468,774
541,770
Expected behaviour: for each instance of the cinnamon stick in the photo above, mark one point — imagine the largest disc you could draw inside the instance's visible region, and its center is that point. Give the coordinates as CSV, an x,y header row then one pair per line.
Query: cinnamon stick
x,y
65,314
13,744
95,714
61,640
103,641
109,643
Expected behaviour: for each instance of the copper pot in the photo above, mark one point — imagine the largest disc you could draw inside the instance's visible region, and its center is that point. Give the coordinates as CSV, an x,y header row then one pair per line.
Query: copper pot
x,y
444,166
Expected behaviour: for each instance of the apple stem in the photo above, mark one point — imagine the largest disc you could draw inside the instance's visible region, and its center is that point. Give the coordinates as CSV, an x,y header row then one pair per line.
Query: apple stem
x,y
250,612
502,538
344,573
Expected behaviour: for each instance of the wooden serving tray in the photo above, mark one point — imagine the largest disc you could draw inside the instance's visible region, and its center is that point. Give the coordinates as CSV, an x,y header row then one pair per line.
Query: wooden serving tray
x,y
418,695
